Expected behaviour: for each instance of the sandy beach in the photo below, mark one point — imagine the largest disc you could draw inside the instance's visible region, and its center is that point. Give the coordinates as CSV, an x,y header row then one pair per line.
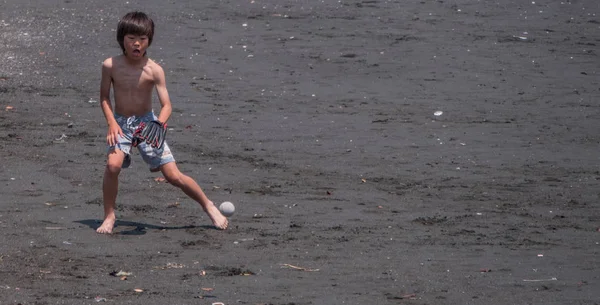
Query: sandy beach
x,y
377,152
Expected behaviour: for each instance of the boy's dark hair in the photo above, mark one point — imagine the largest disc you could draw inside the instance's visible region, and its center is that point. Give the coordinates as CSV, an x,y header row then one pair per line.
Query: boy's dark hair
x,y
136,23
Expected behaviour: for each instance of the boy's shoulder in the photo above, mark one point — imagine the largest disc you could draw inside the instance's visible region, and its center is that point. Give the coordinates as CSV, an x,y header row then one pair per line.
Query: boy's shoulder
x,y
115,60
152,64
154,67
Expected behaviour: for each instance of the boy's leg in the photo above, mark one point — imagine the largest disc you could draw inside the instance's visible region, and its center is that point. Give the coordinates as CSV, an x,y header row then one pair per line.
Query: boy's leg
x,y
193,190
110,187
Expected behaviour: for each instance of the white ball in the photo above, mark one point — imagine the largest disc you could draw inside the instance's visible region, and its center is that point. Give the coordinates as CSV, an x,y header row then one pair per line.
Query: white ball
x,y
227,208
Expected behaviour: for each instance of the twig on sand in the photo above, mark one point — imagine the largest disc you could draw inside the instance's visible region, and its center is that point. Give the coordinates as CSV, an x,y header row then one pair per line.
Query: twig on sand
x,y
55,228
542,280
298,268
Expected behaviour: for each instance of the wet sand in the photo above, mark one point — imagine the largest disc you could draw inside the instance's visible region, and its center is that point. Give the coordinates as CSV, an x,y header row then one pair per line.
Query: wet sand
x,y
316,118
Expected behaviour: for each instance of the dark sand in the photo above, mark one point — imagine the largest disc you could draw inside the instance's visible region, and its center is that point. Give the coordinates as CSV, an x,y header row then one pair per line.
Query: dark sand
x,y
316,118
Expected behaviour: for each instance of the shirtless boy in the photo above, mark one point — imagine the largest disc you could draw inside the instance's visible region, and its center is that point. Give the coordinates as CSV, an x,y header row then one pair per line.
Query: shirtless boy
x,y
133,77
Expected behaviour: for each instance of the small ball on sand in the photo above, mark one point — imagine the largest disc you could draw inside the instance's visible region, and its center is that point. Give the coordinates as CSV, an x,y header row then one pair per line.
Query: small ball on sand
x,y
227,208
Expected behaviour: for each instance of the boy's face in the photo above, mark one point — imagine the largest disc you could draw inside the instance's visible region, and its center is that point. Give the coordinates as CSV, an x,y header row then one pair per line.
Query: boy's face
x,y
135,45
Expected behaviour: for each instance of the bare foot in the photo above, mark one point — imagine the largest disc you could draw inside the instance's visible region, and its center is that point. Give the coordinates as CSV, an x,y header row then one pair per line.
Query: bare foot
x,y
107,225
219,221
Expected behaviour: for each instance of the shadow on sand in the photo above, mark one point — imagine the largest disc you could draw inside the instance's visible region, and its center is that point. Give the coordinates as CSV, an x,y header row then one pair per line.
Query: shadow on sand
x,y
138,227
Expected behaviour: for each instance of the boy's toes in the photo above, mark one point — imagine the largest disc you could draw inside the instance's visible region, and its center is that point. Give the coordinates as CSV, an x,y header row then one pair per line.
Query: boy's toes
x,y
222,225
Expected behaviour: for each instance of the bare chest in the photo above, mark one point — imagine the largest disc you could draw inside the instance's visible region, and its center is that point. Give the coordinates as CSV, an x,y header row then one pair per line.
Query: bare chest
x,y
132,79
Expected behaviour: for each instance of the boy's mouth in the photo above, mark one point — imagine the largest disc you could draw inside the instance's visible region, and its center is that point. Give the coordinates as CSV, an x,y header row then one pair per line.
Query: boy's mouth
x,y
136,52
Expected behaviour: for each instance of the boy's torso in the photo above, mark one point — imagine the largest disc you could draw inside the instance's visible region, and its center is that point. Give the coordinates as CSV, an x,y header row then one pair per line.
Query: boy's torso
x,y
132,86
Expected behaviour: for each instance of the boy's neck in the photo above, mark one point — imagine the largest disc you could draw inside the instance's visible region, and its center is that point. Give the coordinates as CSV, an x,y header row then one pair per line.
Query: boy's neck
x,y
136,62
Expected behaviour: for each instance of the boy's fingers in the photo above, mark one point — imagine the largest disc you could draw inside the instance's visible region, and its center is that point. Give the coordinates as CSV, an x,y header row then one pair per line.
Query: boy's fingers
x,y
112,139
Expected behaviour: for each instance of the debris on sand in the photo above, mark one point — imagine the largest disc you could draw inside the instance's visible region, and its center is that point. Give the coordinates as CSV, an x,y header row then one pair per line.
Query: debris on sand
x,y
298,268
60,139
541,280
519,38
230,271
170,266
174,266
409,296
172,205
514,38
120,273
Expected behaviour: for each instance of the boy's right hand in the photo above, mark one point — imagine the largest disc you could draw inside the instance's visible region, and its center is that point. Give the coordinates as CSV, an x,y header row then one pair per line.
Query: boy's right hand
x,y
112,137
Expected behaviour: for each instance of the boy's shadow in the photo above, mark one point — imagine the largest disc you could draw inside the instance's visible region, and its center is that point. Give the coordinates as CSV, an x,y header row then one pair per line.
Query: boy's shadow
x,y
139,228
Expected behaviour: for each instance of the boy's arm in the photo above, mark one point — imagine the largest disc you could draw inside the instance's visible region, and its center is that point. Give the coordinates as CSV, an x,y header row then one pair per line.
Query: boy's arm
x,y
113,128
163,94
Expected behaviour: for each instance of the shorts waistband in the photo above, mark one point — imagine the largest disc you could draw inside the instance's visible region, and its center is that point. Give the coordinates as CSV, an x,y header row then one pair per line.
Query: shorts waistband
x,y
134,117
134,120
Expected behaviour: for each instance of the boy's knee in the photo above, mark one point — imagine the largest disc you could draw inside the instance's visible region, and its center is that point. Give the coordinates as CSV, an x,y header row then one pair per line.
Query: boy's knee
x,y
113,169
175,179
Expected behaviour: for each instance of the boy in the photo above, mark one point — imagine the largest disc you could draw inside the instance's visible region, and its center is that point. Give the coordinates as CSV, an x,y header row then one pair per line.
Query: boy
x,y
133,76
